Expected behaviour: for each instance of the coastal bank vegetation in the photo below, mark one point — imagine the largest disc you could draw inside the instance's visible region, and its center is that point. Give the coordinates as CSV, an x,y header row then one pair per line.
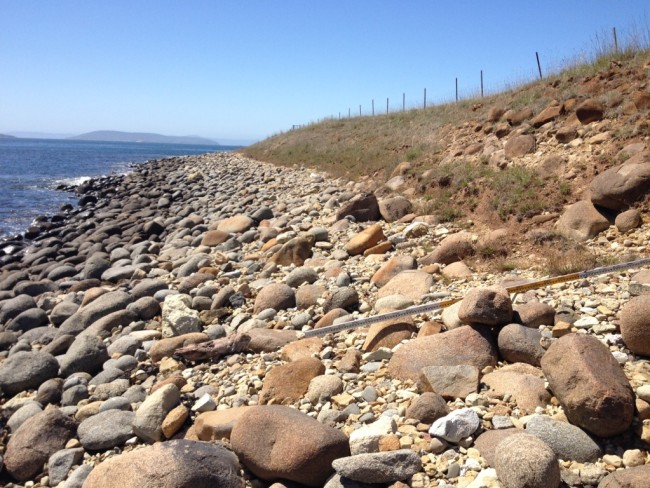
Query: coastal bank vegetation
x,y
509,157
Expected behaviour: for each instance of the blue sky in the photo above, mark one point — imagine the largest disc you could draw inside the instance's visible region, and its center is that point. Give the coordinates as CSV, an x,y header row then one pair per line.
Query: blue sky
x,y
244,70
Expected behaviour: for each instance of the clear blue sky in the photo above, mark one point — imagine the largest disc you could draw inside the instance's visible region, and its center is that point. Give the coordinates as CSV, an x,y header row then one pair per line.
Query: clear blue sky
x,y
244,70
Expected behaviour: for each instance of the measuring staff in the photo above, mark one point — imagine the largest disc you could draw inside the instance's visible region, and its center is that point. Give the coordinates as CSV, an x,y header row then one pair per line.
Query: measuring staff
x,y
430,307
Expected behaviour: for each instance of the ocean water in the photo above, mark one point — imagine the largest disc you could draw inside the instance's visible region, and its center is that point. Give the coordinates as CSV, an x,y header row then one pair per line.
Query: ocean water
x,y
31,169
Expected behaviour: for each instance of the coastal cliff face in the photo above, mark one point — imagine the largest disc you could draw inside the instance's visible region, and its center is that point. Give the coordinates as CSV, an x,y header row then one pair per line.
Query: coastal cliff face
x,y
163,309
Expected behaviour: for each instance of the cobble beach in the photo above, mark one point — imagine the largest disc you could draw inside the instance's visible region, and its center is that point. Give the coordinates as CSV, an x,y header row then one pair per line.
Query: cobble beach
x,y
100,305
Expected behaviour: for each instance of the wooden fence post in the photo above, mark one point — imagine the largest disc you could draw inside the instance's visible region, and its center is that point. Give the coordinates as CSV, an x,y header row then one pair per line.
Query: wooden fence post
x,y
456,89
425,98
539,66
403,102
481,83
615,40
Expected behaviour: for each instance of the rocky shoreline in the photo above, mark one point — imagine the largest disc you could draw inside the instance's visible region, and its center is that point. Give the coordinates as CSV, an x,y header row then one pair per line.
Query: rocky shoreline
x,y
545,388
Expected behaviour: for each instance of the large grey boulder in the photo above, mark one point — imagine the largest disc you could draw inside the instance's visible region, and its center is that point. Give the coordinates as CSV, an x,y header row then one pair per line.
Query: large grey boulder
x,y
87,354
178,463
103,305
26,370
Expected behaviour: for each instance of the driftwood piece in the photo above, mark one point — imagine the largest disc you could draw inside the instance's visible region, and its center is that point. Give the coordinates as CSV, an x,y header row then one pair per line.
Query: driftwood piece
x,y
215,349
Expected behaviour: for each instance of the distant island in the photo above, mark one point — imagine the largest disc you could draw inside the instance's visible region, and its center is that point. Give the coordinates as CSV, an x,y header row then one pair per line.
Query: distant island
x,y
5,136
116,136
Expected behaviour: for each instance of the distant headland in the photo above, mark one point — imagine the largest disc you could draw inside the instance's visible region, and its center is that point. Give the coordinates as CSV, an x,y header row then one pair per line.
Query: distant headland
x,y
117,136
5,136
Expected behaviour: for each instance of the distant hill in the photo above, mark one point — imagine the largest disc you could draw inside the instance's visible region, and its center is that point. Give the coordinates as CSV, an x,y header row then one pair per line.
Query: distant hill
x,y
116,136
5,136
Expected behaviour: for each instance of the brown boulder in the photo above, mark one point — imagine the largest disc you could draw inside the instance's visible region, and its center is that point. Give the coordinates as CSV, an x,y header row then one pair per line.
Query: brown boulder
x,y
178,463
487,306
427,408
457,271
488,442
304,348
533,314
276,442
35,441
501,130
517,117
549,114
350,361
381,248
450,382
388,334
635,325
471,345
218,424
412,284
590,111
295,251
566,134
621,186
308,295
363,208
526,461
329,318
526,390
287,383
392,268
394,208
590,385
365,239
519,145
628,220
454,247
214,238
236,224
269,340
636,477
278,296
581,221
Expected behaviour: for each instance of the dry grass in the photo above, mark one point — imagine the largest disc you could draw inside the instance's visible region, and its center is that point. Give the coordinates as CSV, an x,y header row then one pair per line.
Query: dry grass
x,y
450,184
573,258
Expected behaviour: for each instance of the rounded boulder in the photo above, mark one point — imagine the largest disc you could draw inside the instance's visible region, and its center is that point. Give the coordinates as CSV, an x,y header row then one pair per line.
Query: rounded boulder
x,y
180,463
280,442
635,325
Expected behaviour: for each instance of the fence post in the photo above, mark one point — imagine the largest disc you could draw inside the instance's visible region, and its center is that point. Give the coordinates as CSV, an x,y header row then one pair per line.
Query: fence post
x,y
359,110
373,107
539,66
403,102
615,40
386,105
425,98
349,113
456,89
481,83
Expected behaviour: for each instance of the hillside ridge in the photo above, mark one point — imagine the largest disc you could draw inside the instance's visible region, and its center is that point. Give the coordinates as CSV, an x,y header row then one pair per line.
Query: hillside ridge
x,y
118,136
498,160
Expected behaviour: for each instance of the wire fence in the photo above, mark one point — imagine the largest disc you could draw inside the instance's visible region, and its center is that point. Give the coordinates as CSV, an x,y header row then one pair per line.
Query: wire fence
x,y
637,40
